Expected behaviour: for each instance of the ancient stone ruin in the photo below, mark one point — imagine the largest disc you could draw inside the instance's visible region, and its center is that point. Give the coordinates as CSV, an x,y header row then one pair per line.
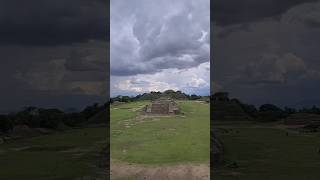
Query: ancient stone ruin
x,y
162,106
226,109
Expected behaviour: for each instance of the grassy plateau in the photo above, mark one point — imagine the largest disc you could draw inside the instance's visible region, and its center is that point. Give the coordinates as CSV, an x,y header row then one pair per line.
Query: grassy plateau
x,y
267,152
64,155
156,140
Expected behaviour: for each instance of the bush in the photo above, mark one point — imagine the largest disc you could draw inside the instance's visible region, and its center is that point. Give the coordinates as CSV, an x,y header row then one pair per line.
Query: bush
x,y
50,118
73,119
250,109
6,123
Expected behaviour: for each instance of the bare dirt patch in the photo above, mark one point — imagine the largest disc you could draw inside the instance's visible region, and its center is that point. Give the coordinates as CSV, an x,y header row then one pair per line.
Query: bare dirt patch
x,y
172,172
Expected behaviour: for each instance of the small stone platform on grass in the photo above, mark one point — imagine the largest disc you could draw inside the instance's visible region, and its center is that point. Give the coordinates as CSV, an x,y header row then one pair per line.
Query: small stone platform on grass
x,y
162,106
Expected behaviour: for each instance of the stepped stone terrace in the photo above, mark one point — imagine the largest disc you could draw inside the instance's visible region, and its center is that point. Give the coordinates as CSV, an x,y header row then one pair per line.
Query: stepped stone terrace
x,y
162,106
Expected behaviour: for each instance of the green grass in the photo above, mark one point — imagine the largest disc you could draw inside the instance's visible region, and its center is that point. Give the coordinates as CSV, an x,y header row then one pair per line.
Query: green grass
x,y
63,155
160,140
268,154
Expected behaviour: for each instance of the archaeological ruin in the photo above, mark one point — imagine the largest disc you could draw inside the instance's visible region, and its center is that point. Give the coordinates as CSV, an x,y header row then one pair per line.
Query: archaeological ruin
x,y
162,106
224,108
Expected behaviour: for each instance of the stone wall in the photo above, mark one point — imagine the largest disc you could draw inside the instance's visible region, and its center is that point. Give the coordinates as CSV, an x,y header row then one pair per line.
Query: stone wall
x,y
162,107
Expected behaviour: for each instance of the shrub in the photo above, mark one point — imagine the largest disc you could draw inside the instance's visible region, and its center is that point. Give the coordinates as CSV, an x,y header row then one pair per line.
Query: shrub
x,y
6,123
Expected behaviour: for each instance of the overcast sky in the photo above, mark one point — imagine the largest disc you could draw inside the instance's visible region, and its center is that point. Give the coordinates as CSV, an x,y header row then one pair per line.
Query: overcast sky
x,y
53,53
267,51
159,45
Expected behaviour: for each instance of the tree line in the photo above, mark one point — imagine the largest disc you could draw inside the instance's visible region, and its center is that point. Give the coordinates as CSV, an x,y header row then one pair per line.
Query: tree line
x,y
51,118
268,112
271,112
153,95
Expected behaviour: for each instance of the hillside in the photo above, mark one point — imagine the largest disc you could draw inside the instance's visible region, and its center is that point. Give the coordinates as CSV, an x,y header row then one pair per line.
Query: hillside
x,y
99,118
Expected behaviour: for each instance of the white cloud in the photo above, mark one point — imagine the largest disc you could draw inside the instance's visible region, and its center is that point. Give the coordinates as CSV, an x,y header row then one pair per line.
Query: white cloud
x,y
192,80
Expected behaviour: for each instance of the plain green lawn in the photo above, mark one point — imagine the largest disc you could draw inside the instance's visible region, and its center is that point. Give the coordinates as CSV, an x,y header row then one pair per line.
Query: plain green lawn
x,y
60,156
268,154
160,140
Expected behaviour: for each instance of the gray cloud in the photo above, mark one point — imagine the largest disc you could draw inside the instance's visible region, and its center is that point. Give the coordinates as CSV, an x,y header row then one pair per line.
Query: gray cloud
x,y
152,36
227,12
91,57
267,59
45,22
53,53
79,67
274,69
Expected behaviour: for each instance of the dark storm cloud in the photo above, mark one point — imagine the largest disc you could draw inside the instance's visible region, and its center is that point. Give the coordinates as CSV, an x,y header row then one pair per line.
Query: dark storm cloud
x,y
261,59
53,53
226,12
83,66
47,22
89,58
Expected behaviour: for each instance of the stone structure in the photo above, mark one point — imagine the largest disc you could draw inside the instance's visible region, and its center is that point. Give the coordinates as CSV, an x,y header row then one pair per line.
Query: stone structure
x,y
225,109
117,103
162,106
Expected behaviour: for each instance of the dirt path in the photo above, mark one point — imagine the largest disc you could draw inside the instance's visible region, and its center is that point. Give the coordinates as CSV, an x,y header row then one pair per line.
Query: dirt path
x,y
177,172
